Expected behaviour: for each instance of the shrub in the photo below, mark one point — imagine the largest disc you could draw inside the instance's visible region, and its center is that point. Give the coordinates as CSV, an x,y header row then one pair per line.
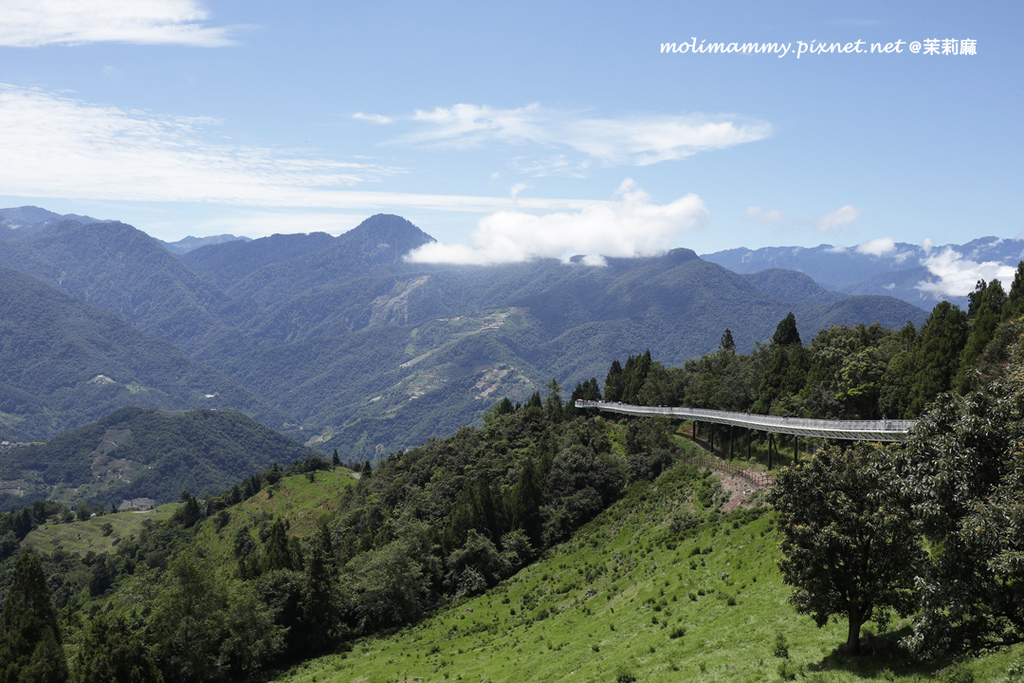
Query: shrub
x,y
781,646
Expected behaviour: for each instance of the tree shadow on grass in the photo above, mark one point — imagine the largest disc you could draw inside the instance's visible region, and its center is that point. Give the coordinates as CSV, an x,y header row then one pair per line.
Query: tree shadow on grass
x,y
881,657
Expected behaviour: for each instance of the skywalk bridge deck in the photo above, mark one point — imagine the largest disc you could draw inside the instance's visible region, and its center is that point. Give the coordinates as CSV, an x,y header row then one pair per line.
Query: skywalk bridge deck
x,y
850,430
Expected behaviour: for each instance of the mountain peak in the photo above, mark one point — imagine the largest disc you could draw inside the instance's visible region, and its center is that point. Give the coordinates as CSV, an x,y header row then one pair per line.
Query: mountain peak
x,y
388,232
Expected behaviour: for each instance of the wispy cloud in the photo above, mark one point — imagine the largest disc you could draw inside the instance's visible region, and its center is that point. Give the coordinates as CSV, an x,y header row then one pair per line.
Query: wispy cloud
x,y
57,146
632,141
628,226
372,118
32,23
844,215
756,213
957,276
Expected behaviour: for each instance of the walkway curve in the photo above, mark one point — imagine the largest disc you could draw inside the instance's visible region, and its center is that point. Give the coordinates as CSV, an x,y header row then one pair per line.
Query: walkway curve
x,y
850,430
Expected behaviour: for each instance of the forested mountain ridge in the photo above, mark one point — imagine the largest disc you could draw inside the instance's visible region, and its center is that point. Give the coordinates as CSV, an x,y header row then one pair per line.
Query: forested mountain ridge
x,y
372,354
64,363
144,453
127,272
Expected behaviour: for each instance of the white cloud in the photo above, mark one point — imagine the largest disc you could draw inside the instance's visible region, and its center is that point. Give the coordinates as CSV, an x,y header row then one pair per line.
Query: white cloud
x,y
877,247
32,23
837,249
59,147
372,118
927,245
957,275
756,213
628,226
844,215
517,188
636,140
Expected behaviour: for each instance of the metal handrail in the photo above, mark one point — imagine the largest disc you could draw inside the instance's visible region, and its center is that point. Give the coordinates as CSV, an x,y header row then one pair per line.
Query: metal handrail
x,y
850,430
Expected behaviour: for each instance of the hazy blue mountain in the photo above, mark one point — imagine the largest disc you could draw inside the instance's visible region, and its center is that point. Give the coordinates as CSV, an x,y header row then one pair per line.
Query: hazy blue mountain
x,y
377,243
370,353
792,286
380,361
146,453
125,271
226,263
900,269
190,243
64,363
25,219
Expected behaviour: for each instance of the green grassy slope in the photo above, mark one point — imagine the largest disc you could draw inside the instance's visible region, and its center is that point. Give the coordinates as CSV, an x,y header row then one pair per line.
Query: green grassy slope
x,y
299,501
90,534
639,595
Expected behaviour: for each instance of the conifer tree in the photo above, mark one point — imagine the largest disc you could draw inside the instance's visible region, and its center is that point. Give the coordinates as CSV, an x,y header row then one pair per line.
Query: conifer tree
x,y
30,642
1014,307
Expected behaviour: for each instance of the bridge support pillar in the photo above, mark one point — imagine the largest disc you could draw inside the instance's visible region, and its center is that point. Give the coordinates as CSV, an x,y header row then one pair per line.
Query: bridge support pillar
x,y
771,445
730,442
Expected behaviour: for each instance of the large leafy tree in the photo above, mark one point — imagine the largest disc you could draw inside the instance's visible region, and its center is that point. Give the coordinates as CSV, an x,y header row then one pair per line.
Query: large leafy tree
x,y
849,547
962,471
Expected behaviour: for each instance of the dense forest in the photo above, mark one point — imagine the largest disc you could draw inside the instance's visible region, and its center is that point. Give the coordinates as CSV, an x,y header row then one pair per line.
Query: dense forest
x,y
237,583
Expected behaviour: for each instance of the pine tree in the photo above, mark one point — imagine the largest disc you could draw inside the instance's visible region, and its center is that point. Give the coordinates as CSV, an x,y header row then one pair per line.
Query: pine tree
x,y
727,343
1014,307
30,642
320,603
786,333
613,383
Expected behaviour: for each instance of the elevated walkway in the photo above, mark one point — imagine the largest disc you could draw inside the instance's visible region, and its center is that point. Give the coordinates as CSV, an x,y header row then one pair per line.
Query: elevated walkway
x,y
850,430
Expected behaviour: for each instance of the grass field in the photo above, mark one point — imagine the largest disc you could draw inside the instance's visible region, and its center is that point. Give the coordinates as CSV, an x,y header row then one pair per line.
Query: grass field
x,y
297,499
93,534
646,592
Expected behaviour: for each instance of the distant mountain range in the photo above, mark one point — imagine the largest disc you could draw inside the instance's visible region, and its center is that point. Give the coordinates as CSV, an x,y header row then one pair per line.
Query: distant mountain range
x,y
917,274
343,344
144,453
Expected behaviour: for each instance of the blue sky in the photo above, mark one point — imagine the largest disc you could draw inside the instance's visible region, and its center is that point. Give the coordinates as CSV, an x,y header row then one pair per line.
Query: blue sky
x,y
513,130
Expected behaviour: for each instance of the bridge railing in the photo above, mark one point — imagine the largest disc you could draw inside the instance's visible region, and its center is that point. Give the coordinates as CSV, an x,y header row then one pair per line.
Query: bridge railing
x,y
855,430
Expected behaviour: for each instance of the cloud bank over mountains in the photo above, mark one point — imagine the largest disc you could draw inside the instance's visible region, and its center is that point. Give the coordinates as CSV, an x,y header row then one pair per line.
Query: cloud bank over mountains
x,y
630,225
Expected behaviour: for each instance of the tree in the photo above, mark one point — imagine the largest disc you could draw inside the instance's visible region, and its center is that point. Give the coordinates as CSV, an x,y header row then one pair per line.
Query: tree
x,y
250,637
727,343
613,383
849,547
983,317
786,333
111,653
188,619
320,601
1014,307
962,472
937,355
30,642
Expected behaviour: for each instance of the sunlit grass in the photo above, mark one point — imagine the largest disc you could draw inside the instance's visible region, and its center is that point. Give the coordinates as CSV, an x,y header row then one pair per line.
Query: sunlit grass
x,y
634,597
